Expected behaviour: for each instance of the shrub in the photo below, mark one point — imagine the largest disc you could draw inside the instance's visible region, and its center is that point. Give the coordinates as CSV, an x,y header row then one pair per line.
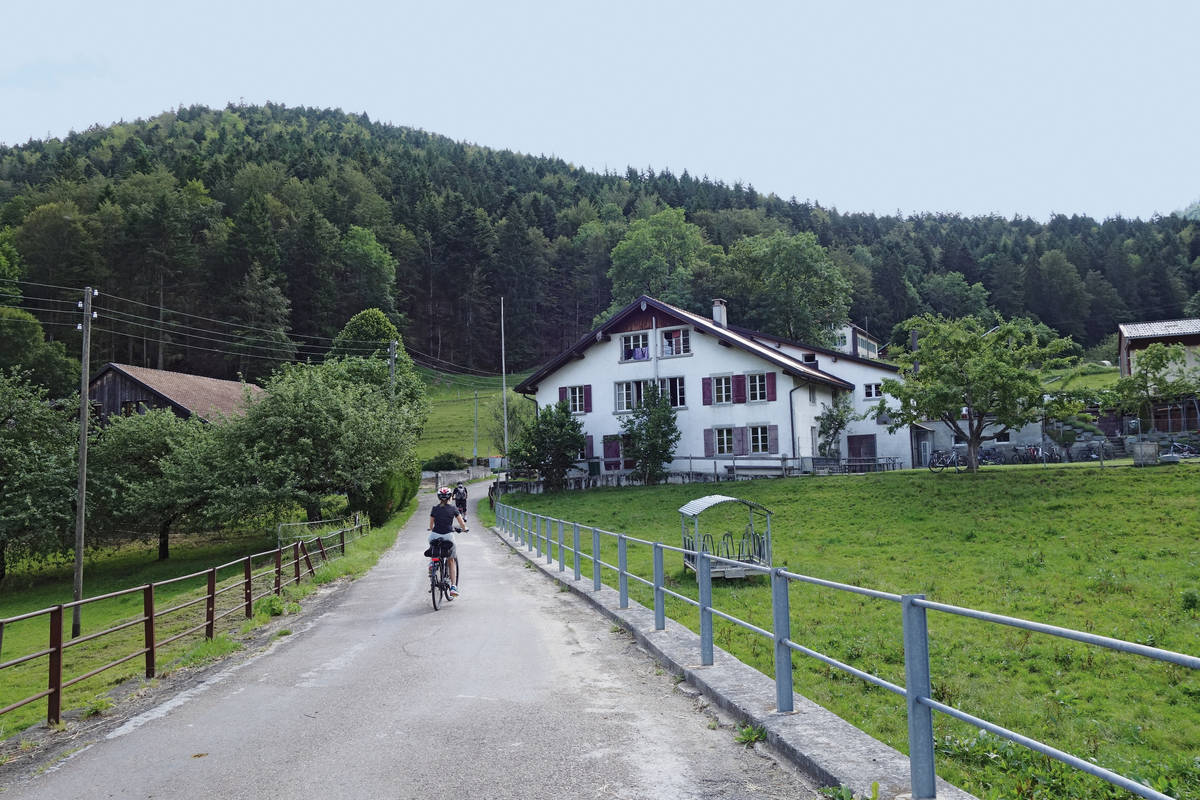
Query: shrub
x,y
444,461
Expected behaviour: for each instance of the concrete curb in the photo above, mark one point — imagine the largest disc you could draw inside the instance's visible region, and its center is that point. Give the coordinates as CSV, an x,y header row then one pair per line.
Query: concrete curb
x,y
818,742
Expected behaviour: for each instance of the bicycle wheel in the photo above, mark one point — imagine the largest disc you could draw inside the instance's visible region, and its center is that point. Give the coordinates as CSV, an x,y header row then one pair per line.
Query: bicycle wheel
x,y
960,464
435,583
937,464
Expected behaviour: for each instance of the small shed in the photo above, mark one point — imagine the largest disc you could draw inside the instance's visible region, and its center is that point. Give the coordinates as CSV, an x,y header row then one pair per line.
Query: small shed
x,y
753,547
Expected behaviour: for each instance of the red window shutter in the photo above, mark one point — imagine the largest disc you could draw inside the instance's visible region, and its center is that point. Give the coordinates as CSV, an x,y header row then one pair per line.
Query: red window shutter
x,y
625,445
706,392
562,393
740,446
772,433
739,388
587,398
612,453
771,386
709,447
589,449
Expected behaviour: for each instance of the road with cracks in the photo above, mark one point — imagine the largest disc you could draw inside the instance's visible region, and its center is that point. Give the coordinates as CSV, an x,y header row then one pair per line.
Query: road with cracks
x,y
514,690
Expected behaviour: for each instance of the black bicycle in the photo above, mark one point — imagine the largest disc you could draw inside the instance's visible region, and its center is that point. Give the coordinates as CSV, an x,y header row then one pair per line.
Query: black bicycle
x,y
439,571
940,459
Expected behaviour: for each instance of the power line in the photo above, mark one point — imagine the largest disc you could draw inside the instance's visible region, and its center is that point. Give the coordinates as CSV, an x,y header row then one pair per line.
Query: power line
x,y
231,338
44,285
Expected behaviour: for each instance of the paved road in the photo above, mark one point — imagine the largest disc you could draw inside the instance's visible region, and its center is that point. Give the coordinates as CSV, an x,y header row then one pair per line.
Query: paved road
x,y
515,690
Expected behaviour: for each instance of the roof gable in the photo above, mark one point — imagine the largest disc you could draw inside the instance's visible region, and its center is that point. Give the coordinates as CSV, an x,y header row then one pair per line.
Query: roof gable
x,y
639,312
207,398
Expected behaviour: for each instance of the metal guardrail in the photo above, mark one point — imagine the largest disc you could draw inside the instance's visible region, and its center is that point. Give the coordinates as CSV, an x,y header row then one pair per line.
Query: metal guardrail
x,y
328,546
534,531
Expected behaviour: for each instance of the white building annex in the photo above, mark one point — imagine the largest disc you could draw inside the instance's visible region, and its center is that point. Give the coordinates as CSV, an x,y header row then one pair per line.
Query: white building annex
x,y
743,400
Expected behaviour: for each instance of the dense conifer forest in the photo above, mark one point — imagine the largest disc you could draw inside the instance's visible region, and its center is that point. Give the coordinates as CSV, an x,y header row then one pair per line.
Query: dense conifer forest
x,y
230,240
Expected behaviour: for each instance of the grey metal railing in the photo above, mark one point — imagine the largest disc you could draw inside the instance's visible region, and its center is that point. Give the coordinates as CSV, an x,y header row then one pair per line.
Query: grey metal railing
x,y
533,531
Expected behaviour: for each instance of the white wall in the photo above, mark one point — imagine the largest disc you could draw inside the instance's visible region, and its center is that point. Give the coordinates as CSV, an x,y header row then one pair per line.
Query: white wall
x,y
887,445
601,368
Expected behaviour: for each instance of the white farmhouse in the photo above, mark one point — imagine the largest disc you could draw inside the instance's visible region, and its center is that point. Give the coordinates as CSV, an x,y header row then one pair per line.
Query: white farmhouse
x,y
743,400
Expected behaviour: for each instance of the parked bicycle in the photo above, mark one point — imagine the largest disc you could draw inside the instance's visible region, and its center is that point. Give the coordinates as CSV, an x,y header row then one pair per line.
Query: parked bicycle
x,y
940,459
1181,449
1033,453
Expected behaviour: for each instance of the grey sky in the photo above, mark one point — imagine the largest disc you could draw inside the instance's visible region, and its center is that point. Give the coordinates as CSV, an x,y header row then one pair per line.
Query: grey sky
x,y
1009,107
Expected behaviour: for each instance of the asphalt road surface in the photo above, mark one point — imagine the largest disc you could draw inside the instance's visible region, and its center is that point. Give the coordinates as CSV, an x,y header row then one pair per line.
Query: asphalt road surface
x,y
514,690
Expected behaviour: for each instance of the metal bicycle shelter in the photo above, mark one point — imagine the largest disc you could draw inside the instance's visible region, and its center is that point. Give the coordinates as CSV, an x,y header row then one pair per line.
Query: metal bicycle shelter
x,y
754,547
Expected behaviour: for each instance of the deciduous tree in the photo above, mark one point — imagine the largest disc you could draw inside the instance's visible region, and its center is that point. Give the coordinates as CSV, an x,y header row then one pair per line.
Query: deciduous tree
x,y
980,382
652,434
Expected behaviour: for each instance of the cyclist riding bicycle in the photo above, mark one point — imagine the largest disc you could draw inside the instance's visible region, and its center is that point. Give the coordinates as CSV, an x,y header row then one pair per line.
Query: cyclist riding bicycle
x,y
442,520
460,499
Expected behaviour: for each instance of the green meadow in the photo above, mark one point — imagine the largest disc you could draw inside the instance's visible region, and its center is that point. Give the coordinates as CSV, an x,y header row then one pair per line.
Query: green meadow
x,y
451,424
1113,551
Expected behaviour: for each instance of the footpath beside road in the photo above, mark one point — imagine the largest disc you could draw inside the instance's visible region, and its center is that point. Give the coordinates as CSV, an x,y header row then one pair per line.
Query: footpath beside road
x,y
829,750
514,690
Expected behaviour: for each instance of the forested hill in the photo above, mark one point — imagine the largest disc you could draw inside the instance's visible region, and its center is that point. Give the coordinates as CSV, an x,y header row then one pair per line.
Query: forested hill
x,y
261,230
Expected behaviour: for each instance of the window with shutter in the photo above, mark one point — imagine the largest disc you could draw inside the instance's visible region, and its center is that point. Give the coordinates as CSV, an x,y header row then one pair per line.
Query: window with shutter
x,y
706,391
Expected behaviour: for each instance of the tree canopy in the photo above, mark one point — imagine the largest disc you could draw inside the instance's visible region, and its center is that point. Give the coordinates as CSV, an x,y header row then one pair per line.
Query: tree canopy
x,y
978,381
282,223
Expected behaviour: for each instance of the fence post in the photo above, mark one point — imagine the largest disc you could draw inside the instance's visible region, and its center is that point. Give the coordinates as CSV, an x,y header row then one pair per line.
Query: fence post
x,y
575,549
148,628
54,699
296,559
549,540
781,608
342,535
249,588
704,581
307,562
562,563
660,609
210,604
537,534
597,581
917,685
622,572
278,569
321,547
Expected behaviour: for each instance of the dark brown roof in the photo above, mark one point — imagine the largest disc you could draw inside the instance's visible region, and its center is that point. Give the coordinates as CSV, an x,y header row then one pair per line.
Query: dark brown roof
x,y
702,324
207,398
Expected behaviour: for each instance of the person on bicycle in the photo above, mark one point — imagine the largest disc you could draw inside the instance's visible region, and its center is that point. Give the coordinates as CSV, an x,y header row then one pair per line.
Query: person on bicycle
x,y
460,499
442,520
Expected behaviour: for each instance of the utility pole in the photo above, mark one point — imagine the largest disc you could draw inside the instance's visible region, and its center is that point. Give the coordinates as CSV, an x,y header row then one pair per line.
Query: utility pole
x,y
504,384
392,367
81,489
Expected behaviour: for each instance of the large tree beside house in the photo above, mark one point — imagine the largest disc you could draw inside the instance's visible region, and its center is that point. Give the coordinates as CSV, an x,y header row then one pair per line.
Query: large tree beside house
x,y
549,445
980,382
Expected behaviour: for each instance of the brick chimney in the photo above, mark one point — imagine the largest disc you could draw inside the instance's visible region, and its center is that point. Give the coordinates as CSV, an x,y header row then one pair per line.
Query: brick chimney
x,y
720,315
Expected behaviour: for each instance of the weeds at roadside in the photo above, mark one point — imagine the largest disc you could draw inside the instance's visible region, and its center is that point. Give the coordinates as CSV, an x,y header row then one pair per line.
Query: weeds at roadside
x,y
844,793
97,706
747,735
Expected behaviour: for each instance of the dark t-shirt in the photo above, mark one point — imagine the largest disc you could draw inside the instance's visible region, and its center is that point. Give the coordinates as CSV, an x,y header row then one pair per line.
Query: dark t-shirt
x,y
443,518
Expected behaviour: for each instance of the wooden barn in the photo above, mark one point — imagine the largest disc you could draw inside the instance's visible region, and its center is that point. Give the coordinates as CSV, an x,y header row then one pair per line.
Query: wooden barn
x,y
125,389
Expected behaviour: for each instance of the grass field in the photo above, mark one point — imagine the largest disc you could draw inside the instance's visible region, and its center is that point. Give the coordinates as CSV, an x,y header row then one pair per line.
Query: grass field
x,y
136,565
451,425
1114,551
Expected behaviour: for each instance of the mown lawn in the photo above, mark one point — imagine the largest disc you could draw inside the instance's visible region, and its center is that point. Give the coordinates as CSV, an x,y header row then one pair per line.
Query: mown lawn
x,y
1113,551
